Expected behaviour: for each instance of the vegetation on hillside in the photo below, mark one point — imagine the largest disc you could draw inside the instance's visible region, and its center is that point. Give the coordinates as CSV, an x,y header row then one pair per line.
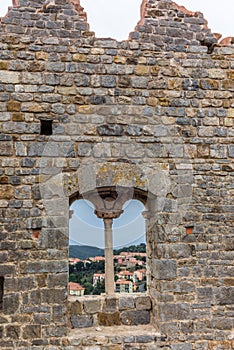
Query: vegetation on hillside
x,y
84,251
141,248
83,273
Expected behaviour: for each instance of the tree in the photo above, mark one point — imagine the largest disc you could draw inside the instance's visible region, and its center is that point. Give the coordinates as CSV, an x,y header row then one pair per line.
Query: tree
x,y
88,288
72,278
99,288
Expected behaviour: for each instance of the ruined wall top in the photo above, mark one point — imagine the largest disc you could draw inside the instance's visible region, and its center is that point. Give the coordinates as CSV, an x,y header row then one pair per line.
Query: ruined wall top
x,y
164,25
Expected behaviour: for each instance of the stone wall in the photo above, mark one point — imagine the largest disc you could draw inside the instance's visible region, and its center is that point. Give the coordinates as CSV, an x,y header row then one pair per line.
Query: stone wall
x,y
127,309
154,113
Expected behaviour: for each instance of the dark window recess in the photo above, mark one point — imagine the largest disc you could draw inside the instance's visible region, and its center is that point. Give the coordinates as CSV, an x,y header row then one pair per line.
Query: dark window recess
x,y
46,127
1,291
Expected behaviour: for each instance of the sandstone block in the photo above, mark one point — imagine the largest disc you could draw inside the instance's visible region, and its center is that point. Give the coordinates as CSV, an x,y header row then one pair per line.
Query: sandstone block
x,y
79,57
9,77
109,318
141,70
6,191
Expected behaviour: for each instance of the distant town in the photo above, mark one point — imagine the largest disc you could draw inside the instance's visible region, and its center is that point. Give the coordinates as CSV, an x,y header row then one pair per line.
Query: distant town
x,y
87,276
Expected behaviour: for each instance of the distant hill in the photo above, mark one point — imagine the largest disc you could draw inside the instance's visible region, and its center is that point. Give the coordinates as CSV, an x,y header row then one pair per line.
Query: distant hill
x,y
140,248
84,251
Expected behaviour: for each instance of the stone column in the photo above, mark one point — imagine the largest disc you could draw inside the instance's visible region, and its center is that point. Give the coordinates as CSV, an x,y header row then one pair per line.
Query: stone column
x,y
108,216
109,258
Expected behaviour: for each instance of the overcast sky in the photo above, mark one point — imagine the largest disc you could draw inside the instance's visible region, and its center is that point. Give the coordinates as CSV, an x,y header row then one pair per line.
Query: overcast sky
x,y
86,229
108,19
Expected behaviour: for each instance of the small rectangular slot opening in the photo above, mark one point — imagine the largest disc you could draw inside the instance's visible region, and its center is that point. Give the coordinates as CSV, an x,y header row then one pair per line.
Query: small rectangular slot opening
x,y
1,291
46,127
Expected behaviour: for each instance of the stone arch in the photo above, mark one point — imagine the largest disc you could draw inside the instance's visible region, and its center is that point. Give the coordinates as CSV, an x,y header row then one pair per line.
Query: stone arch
x,y
109,205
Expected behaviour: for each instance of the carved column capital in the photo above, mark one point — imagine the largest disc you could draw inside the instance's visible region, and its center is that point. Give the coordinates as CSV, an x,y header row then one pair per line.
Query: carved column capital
x,y
108,214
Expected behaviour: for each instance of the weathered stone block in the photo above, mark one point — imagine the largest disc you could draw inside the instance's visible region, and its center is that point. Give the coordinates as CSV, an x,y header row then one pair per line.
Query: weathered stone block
x,y
9,77
75,307
110,130
167,312
225,296
108,81
143,303
183,311
7,270
181,346
6,192
231,151
81,321
126,303
53,296
3,257
179,251
13,332
139,82
205,294
84,149
218,151
31,332
41,319
109,318
92,306
57,280
110,304
6,148
135,317
134,130
164,269
10,303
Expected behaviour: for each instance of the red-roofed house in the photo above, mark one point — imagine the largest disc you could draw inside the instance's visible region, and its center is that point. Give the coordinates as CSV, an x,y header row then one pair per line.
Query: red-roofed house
x,y
124,274
98,277
76,289
124,286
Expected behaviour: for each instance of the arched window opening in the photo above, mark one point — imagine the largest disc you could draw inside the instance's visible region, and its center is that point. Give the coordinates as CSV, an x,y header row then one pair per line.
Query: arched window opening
x,y
106,254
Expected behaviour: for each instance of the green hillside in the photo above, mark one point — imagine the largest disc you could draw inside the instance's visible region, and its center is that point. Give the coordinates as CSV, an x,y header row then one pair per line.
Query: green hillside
x,y
84,251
